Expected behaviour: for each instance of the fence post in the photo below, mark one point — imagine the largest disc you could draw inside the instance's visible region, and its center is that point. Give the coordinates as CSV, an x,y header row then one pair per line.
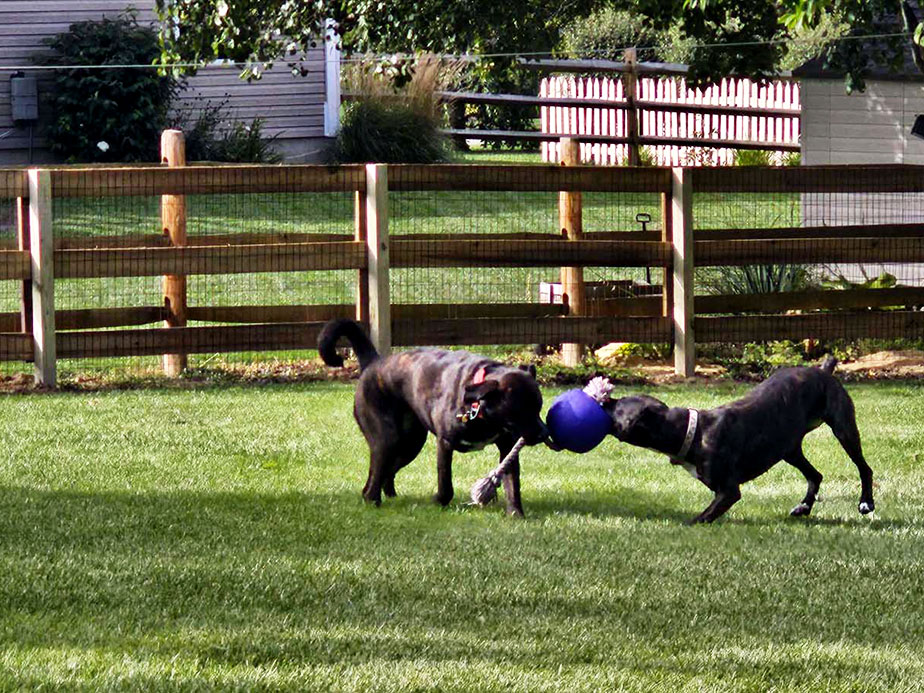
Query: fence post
x,y
667,274
362,276
378,256
631,87
571,222
682,243
331,78
173,219
41,250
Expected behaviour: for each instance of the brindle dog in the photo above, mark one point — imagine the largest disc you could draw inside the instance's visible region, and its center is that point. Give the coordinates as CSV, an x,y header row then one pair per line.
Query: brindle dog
x,y
466,401
729,445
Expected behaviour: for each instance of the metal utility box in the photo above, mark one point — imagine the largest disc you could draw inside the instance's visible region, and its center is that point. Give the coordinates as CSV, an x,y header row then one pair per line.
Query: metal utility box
x,y
24,97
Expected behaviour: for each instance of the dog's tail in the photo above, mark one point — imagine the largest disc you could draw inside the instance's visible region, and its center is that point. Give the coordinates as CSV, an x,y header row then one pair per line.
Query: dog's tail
x,y
353,331
828,364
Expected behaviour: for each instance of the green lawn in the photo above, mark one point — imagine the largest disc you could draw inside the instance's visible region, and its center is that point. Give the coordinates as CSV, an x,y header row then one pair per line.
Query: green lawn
x,y
215,538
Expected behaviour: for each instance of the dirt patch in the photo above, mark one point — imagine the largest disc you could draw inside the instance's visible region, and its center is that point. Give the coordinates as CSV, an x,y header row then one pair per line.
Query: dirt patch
x,y
631,370
887,364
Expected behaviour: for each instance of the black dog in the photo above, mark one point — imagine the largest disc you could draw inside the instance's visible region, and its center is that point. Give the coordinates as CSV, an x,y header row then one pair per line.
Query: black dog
x,y
737,442
466,401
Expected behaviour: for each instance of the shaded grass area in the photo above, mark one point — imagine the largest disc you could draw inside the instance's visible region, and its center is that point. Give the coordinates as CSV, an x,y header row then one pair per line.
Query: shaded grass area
x,y
215,538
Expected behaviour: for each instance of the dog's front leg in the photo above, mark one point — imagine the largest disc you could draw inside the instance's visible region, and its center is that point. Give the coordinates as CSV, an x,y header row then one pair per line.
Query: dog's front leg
x,y
724,499
511,479
444,490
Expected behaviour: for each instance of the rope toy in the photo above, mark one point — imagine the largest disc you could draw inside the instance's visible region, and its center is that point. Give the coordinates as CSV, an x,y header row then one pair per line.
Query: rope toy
x,y
577,420
485,490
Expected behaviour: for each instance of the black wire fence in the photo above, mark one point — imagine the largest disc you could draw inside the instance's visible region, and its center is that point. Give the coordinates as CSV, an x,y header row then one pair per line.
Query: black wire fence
x,y
173,267
816,253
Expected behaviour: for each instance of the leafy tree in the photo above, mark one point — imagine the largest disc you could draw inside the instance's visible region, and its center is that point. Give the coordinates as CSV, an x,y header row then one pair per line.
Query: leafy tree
x,y
729,35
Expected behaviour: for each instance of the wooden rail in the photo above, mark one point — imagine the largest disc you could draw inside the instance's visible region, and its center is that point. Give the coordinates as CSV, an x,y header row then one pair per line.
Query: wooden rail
x,y
188,340
810,251
148,262
541,178
841,325
553,330
551,253
587,138
205,180
641,104
886,178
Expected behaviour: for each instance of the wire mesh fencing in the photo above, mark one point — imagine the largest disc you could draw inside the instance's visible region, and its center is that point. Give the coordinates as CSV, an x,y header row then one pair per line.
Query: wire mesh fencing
x,y
161,269
523,255
14,293
821,254
260,250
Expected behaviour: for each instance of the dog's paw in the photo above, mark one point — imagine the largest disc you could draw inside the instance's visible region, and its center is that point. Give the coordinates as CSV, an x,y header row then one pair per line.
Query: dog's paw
x,y
801,510
866,508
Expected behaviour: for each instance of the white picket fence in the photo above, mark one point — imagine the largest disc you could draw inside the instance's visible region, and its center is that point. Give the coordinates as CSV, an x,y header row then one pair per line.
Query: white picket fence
x,y
740,93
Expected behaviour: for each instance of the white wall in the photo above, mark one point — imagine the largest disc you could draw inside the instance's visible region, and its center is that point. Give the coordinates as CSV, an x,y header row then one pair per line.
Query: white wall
x,y
293,107
873,127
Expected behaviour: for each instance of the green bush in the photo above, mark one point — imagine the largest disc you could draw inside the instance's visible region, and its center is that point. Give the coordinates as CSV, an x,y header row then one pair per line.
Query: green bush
x,y
213,135
755,279
752,157
389,123
606,33
110,114
373,131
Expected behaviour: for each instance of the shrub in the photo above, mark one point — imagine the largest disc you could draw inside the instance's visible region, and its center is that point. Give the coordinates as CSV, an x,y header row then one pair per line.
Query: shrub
x,y
388,123
213,135
755,279
753,157
607,32
112,114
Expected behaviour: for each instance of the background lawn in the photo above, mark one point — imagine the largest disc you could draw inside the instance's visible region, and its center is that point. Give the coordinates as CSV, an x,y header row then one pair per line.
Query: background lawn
x,y
215,538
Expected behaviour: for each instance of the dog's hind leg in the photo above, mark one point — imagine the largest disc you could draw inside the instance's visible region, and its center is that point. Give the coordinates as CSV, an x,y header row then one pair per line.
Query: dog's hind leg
x,y
380,457
843,422
413,437
797,459
724,499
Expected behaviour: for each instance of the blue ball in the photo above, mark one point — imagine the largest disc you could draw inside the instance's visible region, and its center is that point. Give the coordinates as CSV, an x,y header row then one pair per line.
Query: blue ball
x,y
577,422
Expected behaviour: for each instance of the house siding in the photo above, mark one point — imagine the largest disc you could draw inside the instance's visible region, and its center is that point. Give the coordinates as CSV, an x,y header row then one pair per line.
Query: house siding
x,y
873,127
292,106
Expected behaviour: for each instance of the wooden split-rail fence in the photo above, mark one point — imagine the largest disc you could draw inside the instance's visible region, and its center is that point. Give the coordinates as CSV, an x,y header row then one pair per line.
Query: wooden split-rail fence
x,y
42,334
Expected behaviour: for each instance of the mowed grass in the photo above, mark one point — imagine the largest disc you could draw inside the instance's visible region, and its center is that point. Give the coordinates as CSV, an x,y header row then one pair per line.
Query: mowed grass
x,y
215,539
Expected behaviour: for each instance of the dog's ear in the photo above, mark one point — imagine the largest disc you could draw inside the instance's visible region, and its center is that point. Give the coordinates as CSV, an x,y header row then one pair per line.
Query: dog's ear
x,y
529,368
482,391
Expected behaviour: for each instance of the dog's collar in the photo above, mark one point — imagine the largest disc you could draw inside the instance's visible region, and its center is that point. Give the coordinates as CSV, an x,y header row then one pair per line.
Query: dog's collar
x,y
692,421
474,410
